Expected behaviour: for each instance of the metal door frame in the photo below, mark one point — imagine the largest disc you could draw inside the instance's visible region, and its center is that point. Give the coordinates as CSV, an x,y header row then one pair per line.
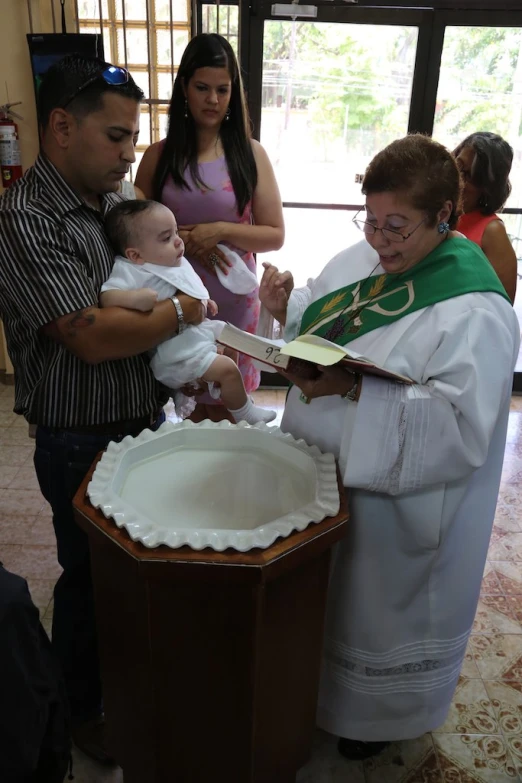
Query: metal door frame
x,y
431,21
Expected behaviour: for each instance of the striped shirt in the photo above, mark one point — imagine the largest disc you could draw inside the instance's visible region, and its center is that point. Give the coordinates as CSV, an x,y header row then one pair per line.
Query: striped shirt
x,y
54,258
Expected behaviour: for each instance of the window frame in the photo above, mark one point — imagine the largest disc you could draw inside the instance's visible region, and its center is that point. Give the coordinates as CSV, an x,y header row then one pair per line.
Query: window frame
x,y
432,23
153,105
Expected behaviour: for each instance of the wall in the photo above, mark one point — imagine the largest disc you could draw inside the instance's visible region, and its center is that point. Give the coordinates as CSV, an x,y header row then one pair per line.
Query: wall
x,y
16,84
16,81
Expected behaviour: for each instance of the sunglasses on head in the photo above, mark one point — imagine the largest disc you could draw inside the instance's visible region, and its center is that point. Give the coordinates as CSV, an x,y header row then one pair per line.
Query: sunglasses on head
x,y
113,75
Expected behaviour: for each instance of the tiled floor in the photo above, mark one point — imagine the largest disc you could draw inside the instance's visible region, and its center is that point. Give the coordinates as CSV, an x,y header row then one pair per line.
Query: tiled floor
x,y
481,741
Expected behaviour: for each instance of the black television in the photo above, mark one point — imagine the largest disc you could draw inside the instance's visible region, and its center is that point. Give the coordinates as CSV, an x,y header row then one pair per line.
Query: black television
x,y
46,49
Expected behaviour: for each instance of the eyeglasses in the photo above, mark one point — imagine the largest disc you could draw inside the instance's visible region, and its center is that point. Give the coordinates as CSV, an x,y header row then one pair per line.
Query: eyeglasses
x,y
389,233
113,75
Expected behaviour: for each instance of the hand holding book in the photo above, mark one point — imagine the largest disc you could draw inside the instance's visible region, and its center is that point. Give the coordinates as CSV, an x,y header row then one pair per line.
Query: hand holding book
x,y
301,369
327,381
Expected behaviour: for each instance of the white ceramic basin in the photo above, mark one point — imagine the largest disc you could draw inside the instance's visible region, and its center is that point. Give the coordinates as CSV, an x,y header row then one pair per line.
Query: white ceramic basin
x,y
214,485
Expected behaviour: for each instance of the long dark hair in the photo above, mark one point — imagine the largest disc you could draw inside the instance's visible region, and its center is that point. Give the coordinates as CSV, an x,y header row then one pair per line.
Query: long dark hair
x,y
208,50
490,169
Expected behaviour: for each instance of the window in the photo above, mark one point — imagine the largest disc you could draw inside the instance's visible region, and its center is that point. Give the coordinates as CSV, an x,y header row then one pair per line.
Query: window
x,y
333,95
222,19
148,37
480,89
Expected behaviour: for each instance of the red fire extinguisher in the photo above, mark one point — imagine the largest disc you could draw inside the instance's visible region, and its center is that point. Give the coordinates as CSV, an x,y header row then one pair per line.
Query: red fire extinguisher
x,y
10,160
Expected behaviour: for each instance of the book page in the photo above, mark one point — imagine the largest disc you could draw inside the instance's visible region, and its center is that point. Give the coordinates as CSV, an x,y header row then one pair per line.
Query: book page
x,y
309,351
261,348
316,340
318,350
306,348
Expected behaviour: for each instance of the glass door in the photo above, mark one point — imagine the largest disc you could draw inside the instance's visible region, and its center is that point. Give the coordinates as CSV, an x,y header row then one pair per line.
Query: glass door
x,y
480,89
332,95
327,93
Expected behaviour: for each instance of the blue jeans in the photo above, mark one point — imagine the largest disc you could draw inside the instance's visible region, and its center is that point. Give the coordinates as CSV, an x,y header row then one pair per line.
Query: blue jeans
x,y
62,459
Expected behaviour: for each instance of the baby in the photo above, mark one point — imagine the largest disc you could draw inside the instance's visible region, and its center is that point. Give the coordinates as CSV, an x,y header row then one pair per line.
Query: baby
x,y
150,267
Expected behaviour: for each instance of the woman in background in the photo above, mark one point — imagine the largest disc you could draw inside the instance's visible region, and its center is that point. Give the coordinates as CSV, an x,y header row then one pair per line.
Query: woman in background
x,y
484,160
218,182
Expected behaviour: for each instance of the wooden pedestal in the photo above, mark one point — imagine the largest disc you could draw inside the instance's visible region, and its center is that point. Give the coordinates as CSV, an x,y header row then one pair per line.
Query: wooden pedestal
x,y
210,661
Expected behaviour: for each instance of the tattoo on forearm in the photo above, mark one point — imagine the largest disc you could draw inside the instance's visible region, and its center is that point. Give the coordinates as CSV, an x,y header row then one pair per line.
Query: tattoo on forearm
x,y
79,320
67,328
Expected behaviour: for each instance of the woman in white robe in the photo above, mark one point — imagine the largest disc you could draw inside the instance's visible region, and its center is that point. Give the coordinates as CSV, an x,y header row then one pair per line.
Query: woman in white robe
x,y
422,463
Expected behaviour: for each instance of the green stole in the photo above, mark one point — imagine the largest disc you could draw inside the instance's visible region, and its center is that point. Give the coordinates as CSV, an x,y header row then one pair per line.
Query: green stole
x,y
456,267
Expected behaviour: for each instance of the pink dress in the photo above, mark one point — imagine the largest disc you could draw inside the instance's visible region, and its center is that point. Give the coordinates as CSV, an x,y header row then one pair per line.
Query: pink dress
x,y
215,203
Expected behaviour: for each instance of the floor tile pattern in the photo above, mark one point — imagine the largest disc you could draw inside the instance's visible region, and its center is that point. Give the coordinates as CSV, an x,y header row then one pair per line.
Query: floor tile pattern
x,y
481,740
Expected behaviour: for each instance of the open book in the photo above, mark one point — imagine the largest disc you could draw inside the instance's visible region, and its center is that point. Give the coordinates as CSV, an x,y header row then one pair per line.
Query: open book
x,y
301,355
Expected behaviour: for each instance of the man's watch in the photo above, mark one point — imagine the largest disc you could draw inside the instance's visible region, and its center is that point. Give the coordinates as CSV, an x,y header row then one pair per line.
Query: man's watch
x,y
179,312
353,394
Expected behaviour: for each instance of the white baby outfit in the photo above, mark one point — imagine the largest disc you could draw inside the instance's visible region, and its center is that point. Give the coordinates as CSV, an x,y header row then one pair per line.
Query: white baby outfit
x,y
187,356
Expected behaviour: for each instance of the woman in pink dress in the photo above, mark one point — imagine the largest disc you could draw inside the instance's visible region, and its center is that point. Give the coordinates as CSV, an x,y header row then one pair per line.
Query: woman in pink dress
x,y
484,160
218,182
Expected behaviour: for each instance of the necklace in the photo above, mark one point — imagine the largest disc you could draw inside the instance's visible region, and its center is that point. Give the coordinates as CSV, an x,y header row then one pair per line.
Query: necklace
x,y
341,325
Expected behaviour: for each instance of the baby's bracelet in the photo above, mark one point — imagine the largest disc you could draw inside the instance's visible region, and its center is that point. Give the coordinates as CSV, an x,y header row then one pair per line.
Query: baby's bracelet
x,y
179,312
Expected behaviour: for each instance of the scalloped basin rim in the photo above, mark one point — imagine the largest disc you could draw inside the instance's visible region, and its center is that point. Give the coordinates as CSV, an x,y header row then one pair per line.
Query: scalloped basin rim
x,y
216,485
